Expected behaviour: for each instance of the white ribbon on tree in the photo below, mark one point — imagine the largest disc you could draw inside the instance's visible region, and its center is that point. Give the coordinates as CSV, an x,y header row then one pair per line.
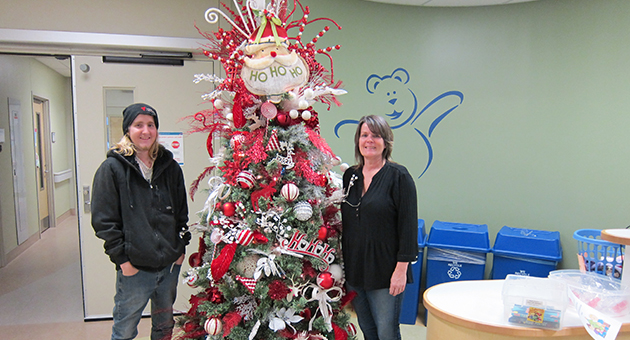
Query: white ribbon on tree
x,y
314,292
268,266
218,191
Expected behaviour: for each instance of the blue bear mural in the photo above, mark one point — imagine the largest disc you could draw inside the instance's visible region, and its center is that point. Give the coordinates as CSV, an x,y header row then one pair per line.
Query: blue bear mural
x,y
394,90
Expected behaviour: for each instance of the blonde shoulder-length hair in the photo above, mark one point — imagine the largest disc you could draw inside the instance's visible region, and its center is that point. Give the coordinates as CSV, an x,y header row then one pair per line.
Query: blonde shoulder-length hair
x,y
126,147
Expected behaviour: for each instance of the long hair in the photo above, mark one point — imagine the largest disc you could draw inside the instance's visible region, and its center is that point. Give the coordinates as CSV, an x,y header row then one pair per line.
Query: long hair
x,y
126,147
379,127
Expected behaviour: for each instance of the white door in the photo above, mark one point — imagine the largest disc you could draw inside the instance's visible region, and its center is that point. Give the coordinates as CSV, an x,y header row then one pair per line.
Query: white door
x,y
171,91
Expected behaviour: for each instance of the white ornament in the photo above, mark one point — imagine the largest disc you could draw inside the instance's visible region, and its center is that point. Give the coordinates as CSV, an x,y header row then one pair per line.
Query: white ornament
x,y
294,114
213,326
303,210
191,278
308,93
290,192
216,235
229,116
247,266
336,272
336,161
218,104
303,104
344,167
306,115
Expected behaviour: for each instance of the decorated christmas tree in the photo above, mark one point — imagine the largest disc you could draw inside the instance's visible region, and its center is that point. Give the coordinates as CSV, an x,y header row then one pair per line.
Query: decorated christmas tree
x,y
269,262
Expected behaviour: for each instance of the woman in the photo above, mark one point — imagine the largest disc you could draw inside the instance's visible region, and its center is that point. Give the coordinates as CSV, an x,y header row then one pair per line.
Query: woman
x,y
139,209
380,226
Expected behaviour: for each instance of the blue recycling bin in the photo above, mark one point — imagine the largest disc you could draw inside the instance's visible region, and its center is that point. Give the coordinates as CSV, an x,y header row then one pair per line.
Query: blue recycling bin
x,y
525,252
456,252
411,300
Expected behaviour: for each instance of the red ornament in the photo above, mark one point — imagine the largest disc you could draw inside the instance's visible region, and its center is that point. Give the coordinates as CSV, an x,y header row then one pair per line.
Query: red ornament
x,y
229,209
246,179
213,326
236,141
325,280
244,237
323,180
260,238
322,233
194,260
283,119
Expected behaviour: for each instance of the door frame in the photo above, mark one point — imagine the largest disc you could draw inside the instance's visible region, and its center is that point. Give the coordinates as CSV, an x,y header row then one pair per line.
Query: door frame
x,y
46,150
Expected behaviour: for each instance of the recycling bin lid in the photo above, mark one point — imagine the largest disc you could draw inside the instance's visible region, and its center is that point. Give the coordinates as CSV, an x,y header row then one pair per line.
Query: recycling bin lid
x,y
519,242
459,236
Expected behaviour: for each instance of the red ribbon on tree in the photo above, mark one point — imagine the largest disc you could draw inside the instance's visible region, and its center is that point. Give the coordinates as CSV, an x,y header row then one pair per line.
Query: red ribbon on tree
x,y
221,264
237,112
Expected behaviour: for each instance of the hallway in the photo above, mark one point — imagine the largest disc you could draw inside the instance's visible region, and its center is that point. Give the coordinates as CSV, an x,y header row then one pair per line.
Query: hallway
x,y
40,291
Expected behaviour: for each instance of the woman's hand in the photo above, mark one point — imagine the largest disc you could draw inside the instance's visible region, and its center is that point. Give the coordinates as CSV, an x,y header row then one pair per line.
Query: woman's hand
x,y
128,269
398,281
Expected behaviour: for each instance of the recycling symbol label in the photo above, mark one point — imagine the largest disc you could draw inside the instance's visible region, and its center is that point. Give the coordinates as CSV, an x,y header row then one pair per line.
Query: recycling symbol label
x,y
454,272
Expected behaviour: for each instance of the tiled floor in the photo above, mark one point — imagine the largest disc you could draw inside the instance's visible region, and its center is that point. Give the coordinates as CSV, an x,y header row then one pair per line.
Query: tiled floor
x,y
41,294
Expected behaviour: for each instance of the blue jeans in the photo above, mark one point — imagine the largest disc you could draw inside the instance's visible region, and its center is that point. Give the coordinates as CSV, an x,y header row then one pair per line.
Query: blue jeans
x,y
132,295
378,313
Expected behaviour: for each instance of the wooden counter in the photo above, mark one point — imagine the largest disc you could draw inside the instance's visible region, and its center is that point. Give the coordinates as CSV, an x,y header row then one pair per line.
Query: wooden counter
x,y
465,310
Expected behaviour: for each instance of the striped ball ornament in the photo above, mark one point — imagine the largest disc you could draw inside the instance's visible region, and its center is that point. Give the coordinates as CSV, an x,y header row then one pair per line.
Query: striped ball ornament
x,y
352,329
303,210
244,237
236,141
290,192
213,326
246,179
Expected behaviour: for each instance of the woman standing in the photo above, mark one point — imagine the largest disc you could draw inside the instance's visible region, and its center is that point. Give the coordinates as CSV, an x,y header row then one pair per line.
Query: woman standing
x,y
380,226
139,209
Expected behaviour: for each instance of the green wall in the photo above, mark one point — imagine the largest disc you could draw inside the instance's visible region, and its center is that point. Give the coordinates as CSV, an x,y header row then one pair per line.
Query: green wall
x,y
540,140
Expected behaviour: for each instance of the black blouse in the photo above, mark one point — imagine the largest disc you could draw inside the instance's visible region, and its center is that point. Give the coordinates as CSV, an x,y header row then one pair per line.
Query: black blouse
x,y
380,228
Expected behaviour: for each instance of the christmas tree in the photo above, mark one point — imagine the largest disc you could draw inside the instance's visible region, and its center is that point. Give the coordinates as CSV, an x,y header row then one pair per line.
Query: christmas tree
x,y
269,262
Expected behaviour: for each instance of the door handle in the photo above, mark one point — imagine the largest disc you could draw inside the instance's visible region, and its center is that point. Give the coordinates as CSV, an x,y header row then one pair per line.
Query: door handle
x,y
87,203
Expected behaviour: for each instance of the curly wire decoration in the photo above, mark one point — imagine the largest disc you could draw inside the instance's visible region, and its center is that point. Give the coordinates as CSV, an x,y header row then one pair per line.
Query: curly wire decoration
x,y
212,17
252,4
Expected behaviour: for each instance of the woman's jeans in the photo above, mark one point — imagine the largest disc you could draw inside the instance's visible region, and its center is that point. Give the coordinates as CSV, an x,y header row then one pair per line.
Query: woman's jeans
x,y
132,295
378,313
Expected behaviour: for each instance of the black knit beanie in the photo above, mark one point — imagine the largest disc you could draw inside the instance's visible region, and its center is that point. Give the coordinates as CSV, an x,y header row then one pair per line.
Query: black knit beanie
x,y
132,111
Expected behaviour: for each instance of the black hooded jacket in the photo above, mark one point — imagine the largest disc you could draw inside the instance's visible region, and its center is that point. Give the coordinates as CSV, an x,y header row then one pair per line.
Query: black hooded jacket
x,y
141,222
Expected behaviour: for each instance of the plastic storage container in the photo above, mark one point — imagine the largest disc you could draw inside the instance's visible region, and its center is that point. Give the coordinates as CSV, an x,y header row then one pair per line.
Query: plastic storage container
x,y
600,256
534,302
411,300
600,292
456,252
525,252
